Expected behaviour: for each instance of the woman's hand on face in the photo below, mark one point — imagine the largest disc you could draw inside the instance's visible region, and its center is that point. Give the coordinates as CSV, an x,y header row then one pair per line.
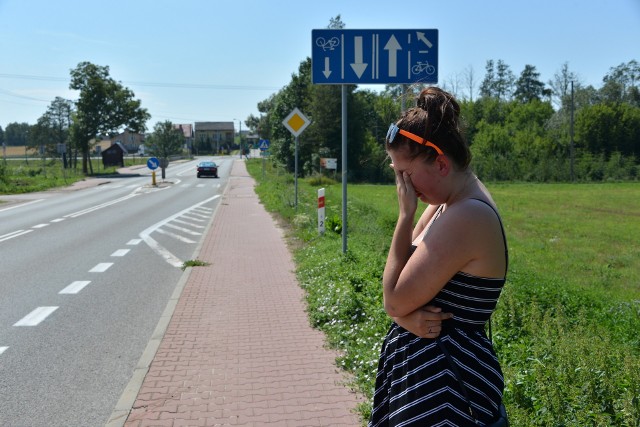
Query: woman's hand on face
x,y
406,193
425,322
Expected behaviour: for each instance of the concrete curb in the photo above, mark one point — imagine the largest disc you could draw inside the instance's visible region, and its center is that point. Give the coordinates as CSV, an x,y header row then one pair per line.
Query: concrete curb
x,y
125,403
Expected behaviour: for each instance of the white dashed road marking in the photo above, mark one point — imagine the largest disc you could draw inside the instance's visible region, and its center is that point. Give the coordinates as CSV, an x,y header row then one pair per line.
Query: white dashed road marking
x,y
100,206
188,223
185,230
175,236
36,316
3,349
14,234
101,268
75,287
192,218
40,226
198,214
21,205
134,241
120,252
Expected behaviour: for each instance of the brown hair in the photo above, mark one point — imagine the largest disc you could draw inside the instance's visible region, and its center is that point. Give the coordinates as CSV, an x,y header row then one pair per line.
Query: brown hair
x,y
436,118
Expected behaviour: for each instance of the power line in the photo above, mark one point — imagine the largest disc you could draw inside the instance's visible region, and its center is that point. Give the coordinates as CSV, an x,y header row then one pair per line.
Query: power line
x,y
17,95
29,77
148,84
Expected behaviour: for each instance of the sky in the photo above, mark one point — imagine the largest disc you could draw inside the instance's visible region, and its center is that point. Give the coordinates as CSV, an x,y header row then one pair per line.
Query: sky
x,y
196,60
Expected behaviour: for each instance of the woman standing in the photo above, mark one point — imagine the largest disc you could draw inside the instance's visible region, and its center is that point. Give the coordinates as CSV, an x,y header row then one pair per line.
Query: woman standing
x,y
453,264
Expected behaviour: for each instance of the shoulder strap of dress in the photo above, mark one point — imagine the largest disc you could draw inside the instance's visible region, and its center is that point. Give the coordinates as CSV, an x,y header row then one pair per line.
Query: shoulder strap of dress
x,y
504,236
436,215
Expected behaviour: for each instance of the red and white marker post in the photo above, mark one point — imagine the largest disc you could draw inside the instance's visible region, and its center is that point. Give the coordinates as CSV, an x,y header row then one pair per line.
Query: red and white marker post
x,y
321,210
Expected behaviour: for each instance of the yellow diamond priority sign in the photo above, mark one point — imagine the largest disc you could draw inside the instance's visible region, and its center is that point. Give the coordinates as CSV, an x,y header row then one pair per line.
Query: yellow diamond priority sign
x,y
296,122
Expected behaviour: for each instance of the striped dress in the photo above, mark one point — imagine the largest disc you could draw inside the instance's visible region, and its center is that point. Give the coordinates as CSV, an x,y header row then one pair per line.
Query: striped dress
x,y
415,385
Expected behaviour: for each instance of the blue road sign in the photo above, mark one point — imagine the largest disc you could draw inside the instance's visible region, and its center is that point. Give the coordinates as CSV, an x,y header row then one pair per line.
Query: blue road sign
x,y
153,163
264,144
374,56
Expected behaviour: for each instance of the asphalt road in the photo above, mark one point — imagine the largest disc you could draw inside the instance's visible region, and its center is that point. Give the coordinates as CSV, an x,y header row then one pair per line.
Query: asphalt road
x,y
84,278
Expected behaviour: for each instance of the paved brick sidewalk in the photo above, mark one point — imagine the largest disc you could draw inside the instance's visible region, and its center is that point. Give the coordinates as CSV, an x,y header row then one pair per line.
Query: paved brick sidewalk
x,y
238,349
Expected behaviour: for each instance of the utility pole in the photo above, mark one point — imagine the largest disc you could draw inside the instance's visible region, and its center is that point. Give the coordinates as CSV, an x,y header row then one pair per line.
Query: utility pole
x,y
571,137
240,137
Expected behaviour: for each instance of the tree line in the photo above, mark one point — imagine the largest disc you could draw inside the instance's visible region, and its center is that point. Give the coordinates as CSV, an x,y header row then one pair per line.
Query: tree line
x,y
519,128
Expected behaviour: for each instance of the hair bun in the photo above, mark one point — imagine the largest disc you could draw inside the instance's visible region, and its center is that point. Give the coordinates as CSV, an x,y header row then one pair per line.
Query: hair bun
x,y
421,102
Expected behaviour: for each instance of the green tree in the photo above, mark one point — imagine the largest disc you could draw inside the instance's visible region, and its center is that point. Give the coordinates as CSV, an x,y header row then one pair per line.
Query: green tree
x,y
265,107
487,86
53,126
528,86
17,134
585,96
595,127
59,117
561,86
621,84
103,107
297,94
607,128
527,123
40,135
165,141
254,124
504,80
498,81
326,111
373,163
336,23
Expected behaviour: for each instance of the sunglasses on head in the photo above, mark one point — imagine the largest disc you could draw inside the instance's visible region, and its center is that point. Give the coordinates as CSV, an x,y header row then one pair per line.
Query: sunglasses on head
x,y
394,130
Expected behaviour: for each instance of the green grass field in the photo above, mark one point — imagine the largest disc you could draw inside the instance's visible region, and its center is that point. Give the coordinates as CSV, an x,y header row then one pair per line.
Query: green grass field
x,y
25,176
566,327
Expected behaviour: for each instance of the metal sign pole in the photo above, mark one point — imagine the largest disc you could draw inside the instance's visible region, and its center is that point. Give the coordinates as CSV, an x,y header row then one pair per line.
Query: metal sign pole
x,y
344,169
296,175
296,122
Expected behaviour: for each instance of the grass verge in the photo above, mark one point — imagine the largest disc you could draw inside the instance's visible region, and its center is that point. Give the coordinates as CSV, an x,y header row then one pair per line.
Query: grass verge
x,y
566,327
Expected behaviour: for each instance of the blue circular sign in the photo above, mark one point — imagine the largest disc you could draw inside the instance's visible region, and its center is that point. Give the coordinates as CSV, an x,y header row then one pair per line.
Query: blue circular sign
x,y
153,163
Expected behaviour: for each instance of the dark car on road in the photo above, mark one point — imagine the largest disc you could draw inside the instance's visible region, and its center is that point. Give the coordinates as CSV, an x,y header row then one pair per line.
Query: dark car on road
x,y
207,169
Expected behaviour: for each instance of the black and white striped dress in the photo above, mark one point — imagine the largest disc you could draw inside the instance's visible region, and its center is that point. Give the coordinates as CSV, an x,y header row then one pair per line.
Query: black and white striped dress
x,y
415,385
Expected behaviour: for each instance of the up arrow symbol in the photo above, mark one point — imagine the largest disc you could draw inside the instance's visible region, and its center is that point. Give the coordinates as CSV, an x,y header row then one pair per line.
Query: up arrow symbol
x,y
393,47
358,66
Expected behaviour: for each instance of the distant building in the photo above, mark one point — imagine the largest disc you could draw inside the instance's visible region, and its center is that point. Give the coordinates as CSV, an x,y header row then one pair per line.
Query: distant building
x,y
213,137
187,131
129,140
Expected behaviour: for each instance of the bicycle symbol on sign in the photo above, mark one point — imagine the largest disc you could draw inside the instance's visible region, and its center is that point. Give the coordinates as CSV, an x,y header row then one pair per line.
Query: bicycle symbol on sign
x,y
330,44
423,66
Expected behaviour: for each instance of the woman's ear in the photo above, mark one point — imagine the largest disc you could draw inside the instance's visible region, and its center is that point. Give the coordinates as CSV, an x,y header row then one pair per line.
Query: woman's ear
x,y
443,164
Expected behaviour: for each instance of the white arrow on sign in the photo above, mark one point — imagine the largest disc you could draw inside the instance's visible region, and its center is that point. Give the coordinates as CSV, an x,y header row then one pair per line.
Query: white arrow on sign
x,y
358,66
423,39
327,71
393,47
